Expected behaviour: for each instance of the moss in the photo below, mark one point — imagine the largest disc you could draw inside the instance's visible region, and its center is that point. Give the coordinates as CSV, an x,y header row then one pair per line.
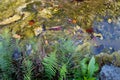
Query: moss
x,y
116,58
105,58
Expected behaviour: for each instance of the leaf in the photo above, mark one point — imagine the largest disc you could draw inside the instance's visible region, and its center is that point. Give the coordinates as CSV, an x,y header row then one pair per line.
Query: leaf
x,y
84,66
92,67
28,70
50,65
93,78
63,72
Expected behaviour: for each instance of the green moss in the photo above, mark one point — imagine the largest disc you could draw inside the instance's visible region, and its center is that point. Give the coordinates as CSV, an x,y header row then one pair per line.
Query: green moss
x,y
108,59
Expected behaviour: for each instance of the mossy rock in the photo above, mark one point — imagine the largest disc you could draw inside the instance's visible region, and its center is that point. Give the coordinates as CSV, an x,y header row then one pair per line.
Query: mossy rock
x,y
105,58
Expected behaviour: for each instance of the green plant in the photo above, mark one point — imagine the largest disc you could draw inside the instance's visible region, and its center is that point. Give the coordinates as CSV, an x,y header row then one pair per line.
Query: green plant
x,y
66,46
63,71
61,64
50,65
88,70
5,56
28,70
65,51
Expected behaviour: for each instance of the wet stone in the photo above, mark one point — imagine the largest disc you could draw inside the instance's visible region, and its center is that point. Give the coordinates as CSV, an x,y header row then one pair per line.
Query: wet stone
x,y
110,72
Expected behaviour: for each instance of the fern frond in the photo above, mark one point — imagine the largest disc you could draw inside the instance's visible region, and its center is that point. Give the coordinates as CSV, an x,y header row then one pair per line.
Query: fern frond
x,y
63,72
84,66
50,65
28,70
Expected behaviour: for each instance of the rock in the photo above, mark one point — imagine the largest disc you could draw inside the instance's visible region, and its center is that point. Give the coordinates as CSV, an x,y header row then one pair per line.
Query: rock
x,y
84,47
110,72
16,55
16,36
38,30
28,49
10,20
105,58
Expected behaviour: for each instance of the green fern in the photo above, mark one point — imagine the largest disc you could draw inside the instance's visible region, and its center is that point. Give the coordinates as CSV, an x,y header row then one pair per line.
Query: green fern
x,y
92,78
5,55
67,46
50,65
28,70
63,72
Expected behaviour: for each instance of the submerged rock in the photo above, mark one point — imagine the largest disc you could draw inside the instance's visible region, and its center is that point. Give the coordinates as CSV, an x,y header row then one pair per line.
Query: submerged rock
x,y
110,72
